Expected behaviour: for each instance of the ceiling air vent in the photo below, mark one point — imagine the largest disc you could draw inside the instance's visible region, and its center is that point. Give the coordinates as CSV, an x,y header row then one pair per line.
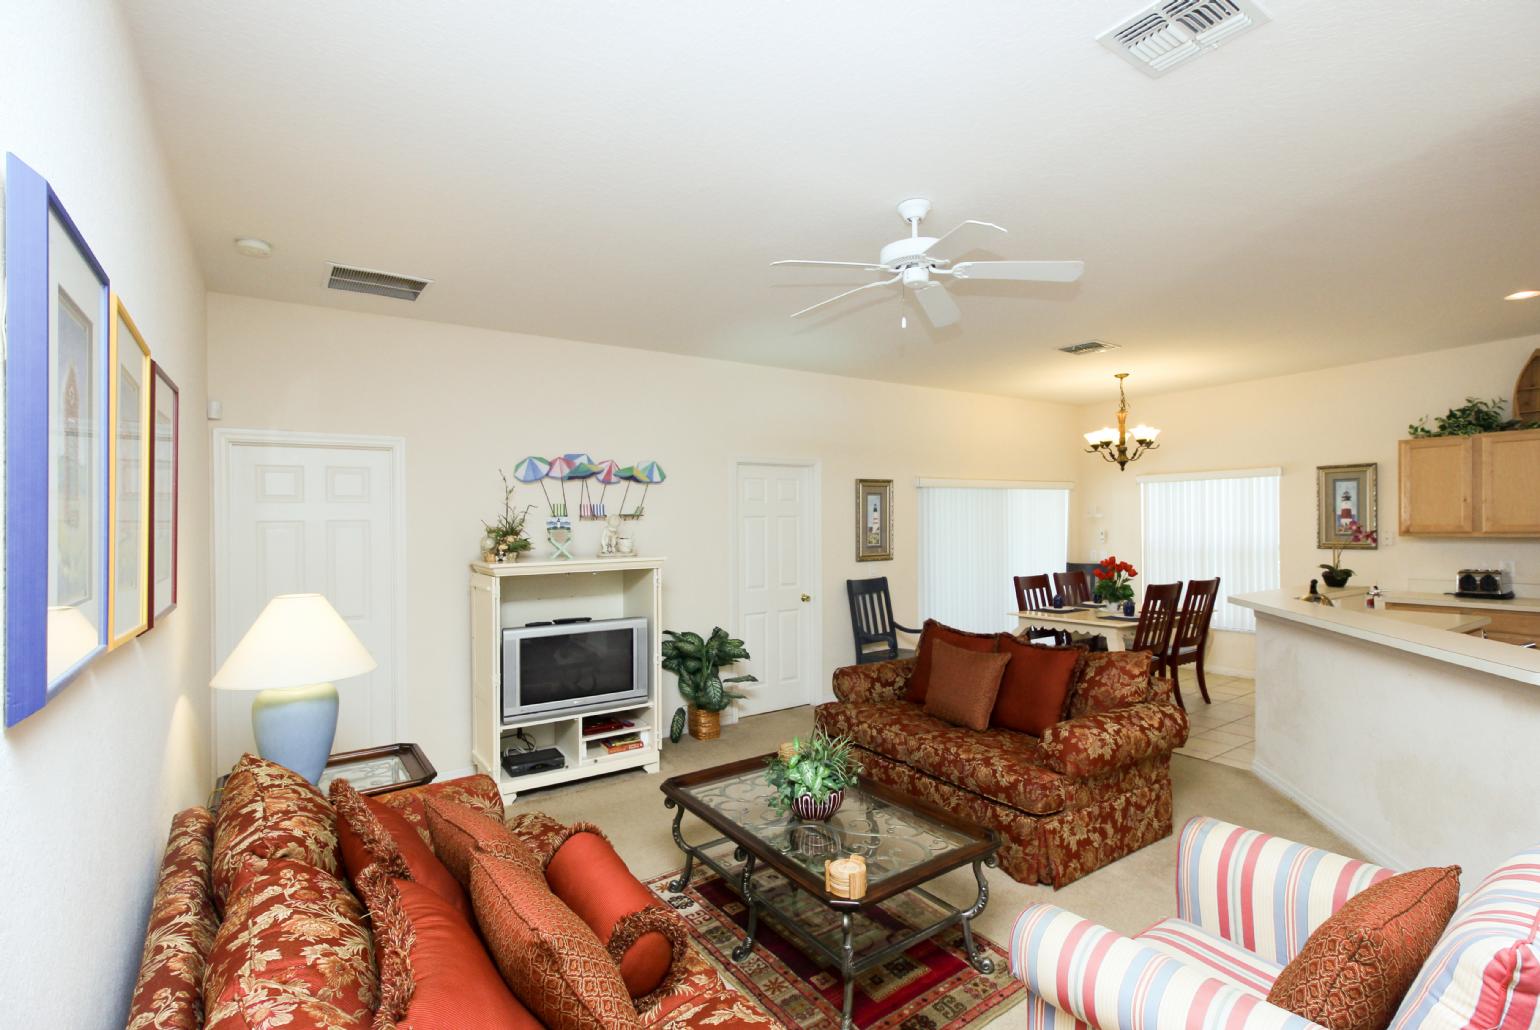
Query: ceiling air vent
x,y
1172,32
381,284
1089,347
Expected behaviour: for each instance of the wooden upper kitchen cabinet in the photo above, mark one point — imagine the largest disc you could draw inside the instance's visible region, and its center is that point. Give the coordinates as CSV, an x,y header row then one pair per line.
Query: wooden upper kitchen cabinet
x,y
1486,485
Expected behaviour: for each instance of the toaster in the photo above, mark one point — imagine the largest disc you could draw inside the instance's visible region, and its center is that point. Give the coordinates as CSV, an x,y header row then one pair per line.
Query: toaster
x,y
1496,584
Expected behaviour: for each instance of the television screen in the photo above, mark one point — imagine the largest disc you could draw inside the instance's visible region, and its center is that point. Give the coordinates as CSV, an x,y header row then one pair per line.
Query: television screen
x,y
574,666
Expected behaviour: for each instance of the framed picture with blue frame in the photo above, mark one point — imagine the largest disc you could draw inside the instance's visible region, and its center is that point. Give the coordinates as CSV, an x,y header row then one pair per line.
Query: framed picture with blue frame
x,y
57,419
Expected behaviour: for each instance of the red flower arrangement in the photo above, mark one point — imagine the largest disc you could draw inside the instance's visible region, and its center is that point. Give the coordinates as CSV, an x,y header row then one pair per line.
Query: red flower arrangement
x,y
1112,580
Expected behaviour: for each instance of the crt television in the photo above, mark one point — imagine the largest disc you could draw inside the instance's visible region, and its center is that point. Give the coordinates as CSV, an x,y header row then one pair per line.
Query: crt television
x,y
574,667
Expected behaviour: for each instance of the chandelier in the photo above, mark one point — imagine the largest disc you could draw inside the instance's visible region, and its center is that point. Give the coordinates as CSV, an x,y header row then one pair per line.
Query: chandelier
x,y
1113,444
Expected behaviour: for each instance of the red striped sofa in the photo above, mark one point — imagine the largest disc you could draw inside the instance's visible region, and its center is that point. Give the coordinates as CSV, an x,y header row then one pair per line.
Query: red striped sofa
x,y
1246,903
1095,787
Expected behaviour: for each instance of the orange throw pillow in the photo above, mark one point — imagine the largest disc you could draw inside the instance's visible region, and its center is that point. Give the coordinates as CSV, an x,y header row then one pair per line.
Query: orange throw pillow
x,y
963,685
1353,971
1035,686
371,832
645,939
932,631
459,831
547,955
434,972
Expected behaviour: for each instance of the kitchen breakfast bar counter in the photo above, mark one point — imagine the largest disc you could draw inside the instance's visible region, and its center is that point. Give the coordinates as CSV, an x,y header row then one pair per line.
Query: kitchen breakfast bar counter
x,y
1404,732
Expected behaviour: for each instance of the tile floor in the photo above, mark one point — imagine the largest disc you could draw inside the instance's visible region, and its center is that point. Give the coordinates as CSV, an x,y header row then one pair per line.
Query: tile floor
x,y
1225,731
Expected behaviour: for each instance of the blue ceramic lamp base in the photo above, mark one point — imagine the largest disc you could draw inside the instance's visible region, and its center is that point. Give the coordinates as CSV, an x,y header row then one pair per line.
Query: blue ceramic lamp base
x,y
295,727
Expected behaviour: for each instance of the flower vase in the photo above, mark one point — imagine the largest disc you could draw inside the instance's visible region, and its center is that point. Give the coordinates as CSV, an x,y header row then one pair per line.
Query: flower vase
x,y
1336,578
818,811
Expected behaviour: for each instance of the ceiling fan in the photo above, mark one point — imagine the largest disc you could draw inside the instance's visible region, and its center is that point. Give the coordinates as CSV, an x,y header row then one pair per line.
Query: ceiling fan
x,y
916,262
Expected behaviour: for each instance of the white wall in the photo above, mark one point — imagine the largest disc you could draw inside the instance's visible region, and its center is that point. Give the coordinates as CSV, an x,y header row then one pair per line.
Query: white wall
x,y
88,785
469,401
1356,413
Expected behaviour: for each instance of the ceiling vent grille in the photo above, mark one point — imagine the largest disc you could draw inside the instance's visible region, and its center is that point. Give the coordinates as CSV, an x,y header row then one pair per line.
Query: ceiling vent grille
x,y
1089,347
380,284
1172,32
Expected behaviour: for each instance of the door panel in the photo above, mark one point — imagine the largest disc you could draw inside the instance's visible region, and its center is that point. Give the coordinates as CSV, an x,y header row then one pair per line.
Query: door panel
x,y
776,516
299,518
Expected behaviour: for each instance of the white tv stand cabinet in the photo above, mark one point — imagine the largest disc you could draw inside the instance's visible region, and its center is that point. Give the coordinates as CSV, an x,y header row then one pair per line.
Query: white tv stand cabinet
x,y
515,593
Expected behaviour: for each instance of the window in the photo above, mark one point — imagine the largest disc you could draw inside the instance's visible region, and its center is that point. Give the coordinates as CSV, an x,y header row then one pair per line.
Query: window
x,y
1211,524
975,536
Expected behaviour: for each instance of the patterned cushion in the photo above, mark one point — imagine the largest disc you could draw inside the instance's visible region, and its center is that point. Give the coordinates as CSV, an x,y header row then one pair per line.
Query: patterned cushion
x,y
1353,971
551,959
458,832
645,939
1485,970
292,952
700,999
1036,685
932,631
1111,679
270,812
540,833
1218,957
167,995
434,972
479,792
371,833
999,764
963,685
875,681
1095,745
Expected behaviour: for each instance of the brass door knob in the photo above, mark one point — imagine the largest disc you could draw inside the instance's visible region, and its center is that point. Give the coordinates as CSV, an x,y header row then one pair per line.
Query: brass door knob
x,y
806,598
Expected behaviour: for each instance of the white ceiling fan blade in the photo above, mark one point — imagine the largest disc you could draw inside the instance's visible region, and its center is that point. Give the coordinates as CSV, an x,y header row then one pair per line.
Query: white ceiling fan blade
x,y
840,296
963,238
833,264
938,305
1025,271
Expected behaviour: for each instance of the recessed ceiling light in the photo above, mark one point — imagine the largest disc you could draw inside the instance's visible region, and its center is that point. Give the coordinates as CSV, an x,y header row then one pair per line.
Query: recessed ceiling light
x,y
253,247
1523,295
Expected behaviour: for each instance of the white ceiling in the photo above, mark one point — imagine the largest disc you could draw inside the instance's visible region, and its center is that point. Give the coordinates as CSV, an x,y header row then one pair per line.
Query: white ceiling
x,y
1355,179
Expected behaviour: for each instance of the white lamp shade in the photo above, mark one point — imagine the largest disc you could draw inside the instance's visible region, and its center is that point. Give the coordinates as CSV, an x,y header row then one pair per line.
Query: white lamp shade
x,y
298,640
1144,432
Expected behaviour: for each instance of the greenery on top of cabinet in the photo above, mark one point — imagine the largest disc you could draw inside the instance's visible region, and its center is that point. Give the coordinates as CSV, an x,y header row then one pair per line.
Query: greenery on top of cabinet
x,y
1476,416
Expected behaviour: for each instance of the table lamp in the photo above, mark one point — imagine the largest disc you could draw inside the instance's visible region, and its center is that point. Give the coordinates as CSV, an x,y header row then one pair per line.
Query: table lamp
x,y
294,651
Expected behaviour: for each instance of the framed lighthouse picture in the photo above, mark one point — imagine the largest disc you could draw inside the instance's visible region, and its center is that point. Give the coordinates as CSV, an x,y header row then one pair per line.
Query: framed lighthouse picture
x,y
1346,500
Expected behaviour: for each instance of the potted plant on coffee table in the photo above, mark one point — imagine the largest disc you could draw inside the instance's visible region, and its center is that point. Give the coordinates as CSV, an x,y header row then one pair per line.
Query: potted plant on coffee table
x,y
697,662
810,776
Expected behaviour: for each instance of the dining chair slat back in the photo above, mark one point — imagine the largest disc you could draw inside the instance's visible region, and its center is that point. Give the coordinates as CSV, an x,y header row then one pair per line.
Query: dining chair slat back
x,y
871,621
1034,592
1157,622
1190,639
1074,587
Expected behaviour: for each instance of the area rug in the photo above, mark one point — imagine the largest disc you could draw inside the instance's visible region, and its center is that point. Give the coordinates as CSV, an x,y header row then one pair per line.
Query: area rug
x,y
929,987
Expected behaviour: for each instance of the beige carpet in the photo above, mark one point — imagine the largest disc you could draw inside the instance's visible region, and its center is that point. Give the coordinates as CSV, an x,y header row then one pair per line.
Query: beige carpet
x,y
1128,895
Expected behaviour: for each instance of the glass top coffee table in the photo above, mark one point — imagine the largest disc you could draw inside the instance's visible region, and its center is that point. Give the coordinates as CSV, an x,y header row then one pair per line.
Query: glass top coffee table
x,y
775,861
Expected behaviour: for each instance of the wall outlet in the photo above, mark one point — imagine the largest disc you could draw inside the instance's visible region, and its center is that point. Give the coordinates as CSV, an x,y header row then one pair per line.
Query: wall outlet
x,y
1101,536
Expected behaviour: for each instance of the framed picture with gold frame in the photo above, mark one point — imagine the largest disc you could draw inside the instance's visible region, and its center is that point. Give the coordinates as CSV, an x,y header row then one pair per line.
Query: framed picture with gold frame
x,y
1345,495
165,476
128,447
874,520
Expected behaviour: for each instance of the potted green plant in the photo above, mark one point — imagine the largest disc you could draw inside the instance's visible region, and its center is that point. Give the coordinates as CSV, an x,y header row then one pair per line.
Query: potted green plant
x,y
1334,574
1473,417
696,661
810,776
505,539
1114,581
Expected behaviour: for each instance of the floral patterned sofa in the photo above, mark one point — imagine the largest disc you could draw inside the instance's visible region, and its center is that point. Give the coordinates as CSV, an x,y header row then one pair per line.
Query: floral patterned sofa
x,y
1093,788
306,956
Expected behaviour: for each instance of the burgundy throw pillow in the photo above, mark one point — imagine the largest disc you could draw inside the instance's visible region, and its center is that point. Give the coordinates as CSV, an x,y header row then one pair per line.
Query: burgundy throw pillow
x,y
1355,968
1035,685
963,685
930,633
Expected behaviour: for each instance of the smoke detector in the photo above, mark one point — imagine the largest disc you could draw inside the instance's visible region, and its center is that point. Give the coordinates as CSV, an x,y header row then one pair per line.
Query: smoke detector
x,y
375,282
1089,347
1172,32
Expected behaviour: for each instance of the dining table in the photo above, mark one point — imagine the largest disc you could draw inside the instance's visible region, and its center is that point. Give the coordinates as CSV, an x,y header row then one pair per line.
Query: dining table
x,y
1118,629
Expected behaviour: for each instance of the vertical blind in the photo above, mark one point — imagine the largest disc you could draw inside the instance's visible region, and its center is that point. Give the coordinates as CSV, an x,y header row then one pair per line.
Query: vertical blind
x,y
1221,524
974,539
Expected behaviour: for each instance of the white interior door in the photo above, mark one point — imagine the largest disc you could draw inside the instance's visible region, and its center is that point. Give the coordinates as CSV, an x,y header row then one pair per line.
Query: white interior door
x,y
776,580
299,514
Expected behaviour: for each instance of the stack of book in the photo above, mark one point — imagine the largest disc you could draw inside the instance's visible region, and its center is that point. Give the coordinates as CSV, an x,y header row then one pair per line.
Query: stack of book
x,y
624,742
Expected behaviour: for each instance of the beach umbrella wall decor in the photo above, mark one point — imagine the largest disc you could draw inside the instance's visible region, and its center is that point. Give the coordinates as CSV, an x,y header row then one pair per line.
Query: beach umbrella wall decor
x,y
646,473
533,470
582,467
561,471
605,472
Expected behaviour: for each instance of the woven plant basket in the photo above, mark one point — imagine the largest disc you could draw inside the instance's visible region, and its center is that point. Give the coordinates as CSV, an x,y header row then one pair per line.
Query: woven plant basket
x,y
705,725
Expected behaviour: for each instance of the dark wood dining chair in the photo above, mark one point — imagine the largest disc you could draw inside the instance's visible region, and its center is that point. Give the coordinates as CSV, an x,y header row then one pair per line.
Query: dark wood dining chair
x,y
1072,586
1033,592
871,621
1157,623
1190,638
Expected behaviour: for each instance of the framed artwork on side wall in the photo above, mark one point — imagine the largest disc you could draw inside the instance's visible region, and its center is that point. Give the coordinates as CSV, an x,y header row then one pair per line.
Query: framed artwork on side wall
x,y
1345,497
165,472
129,457
57,418
874,520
